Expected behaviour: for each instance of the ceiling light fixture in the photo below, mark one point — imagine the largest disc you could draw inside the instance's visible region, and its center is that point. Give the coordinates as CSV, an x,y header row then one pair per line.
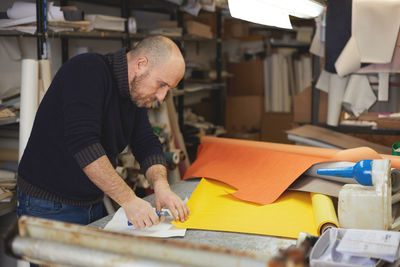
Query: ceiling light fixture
x,y
274,12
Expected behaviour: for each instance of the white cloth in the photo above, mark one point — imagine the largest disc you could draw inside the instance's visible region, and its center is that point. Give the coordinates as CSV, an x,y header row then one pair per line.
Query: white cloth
x,y
119,223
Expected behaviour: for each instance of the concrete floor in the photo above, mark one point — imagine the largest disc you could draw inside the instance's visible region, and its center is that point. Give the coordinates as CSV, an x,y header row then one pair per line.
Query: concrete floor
x,y
5,222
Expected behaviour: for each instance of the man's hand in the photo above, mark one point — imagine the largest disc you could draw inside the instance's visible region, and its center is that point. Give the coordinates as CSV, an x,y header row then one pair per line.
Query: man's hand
x,y
163,196
140,213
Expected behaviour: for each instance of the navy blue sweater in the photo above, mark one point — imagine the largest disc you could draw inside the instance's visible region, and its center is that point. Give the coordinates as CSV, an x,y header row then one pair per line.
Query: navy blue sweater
x,y
86,113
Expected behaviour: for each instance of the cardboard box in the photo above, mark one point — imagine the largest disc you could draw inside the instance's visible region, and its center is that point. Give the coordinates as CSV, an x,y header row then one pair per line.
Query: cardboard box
x,y
243,113
104,22
302,106
255,136
199,29
247,79
209,19
388,124
234,28
167,24
274,126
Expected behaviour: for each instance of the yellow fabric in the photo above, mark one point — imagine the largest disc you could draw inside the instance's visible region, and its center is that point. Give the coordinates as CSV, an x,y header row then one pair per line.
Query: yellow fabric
x,y
212,207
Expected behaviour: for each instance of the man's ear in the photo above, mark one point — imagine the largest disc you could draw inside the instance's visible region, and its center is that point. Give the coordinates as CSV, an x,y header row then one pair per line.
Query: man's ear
x,y
142,63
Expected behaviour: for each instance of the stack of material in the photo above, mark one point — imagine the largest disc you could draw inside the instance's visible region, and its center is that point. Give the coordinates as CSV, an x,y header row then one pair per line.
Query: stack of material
x,y
198,29
7,184
322,137
167,28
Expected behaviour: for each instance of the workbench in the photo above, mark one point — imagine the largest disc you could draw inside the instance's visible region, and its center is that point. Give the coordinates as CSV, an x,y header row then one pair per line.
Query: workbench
x,y
263,246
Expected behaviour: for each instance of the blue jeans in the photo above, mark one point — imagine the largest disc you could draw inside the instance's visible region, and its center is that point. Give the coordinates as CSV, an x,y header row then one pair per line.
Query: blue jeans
x,y
37,207
47,209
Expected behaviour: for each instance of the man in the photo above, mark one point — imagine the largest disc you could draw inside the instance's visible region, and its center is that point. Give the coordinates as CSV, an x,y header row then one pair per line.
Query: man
x,y
96,106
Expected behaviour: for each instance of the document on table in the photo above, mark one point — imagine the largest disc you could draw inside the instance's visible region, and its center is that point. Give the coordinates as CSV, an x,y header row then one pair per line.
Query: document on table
x,y
371,243
119,223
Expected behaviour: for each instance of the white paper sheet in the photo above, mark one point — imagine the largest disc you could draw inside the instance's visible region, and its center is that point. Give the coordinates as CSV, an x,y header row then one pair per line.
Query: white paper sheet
x,y
337,86
317,45
358,96
370,243
349,60
372,40
119,223
21,9
323,81
392,67
15,22
383,89
376,38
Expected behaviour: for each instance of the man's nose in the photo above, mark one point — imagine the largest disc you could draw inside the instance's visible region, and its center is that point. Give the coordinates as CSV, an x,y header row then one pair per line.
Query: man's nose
x,y
161,94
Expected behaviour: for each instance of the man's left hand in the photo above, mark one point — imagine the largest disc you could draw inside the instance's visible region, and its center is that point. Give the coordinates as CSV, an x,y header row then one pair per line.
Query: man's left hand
x,y
165,197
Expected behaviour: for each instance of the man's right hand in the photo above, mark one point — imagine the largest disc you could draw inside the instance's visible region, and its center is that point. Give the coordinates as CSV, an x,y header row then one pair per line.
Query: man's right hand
x,y
140,213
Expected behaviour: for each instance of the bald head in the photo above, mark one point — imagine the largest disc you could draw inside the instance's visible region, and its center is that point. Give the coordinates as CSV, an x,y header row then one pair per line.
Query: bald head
x,y
155,66
158,50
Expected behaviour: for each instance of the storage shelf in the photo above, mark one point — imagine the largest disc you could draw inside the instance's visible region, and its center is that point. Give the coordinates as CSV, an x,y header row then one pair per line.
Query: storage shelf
x,y
7,207
361,129
6,121
103,35
200,87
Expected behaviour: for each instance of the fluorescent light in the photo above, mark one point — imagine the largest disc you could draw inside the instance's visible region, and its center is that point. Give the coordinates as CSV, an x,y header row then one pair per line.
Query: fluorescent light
x,y
305,9
274,12
258,11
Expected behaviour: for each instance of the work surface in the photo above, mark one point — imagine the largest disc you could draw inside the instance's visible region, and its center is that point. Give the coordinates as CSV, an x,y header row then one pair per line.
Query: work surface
x,y
263,246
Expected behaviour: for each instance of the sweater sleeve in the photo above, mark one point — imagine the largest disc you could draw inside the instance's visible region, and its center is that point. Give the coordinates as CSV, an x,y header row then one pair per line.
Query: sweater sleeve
x,y
145,145
85,82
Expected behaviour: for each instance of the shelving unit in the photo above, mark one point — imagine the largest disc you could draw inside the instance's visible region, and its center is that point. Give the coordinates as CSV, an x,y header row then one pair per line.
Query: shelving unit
x,y
7,121
126,38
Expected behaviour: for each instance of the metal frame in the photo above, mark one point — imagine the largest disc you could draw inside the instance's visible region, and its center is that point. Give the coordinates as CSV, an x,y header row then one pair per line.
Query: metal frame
x,y
45,241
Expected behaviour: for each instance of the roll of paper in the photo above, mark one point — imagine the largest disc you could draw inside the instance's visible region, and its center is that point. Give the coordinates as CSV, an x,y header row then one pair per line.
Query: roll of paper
x,y
45,76
132,28
383,89
324,212
29,100
337,87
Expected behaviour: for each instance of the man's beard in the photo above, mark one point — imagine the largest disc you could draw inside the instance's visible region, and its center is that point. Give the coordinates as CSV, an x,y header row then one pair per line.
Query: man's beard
x,y
139,101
